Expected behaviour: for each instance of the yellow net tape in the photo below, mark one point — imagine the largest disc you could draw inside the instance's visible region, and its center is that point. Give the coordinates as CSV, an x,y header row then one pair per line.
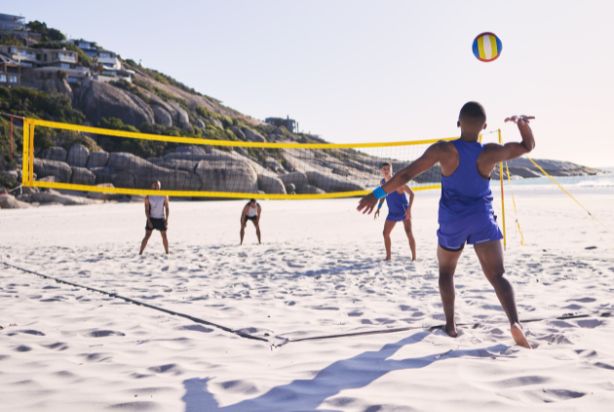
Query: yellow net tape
x,y
28,162
509,180
556,182
227,143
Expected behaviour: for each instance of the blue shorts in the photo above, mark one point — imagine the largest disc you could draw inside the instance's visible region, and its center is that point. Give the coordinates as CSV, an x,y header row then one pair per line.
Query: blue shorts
x,y
474,229
396,217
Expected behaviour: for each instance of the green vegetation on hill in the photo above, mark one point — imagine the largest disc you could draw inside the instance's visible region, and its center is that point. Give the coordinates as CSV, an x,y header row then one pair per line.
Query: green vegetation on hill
x,y
47,33
25,101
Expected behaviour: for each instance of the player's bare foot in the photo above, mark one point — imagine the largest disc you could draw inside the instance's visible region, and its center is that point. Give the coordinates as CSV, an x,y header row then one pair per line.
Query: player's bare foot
x,y
388,258
450,330
519,337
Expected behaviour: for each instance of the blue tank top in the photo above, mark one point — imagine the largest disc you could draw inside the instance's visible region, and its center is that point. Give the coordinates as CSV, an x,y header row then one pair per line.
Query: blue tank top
x,y
397,202
465,192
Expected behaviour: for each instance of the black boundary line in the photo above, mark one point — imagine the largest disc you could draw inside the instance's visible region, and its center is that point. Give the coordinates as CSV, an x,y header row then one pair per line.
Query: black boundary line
x,y
139,303
436,327
283,340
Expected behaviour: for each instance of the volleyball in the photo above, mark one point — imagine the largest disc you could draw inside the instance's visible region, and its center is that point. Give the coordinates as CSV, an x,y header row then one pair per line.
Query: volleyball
x,y
487,47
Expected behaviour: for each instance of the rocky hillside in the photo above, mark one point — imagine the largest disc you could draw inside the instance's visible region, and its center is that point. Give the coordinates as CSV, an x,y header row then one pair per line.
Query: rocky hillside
x,y
152,102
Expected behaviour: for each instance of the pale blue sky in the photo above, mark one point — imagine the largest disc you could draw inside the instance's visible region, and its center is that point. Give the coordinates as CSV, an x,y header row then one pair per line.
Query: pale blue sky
x,y
353,70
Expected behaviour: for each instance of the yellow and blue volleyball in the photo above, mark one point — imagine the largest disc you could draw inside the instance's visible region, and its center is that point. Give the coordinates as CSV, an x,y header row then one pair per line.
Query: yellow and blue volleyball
x,y
487,47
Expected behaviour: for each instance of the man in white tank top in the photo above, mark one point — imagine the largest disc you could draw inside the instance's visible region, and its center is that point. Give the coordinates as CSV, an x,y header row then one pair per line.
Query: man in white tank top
x,y
251,211
156,211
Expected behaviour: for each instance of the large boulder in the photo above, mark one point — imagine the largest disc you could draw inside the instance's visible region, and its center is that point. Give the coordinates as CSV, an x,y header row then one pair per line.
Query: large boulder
x,y
273,164
52,196
60,170
252,135
179,180
270,184
98,100
162,116
309,189
82,176
128,170
55,153
9,202
128,161
331,183
78,155
97,159
176,164
298,179
223,176
121,178
180,116
9,178
238,132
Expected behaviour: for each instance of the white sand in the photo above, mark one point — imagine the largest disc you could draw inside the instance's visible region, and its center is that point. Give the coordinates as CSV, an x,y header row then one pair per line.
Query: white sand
x,y
319,271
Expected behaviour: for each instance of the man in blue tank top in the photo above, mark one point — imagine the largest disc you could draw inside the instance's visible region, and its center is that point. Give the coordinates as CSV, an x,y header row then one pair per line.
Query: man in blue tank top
x,y
399,210
465,209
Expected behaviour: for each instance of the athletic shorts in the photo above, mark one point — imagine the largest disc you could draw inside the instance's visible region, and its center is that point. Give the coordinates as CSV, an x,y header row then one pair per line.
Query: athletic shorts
x,y
252,218
396,217
474,229
158,224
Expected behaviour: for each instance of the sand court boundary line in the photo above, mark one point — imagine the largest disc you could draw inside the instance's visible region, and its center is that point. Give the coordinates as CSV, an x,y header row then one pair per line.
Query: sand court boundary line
x,y
281,339
140,303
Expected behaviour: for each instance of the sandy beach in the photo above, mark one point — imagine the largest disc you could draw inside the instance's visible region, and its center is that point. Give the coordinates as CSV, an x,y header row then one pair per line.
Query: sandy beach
x,y
319,271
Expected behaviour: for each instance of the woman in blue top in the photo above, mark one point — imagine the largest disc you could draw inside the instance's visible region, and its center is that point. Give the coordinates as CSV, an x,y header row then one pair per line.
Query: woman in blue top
x,y
399,210
465,209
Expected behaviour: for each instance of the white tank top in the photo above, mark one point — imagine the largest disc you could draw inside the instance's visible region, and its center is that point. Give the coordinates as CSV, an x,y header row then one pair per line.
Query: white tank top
x,y
156,207
252,211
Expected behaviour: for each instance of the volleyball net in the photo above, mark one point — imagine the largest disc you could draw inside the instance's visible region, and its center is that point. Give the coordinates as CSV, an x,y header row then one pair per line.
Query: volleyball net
x,y
91,159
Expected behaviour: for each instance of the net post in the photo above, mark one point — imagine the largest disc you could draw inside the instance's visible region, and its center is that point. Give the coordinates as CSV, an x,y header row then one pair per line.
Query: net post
x,y
31,154
502,195
25,160
11,139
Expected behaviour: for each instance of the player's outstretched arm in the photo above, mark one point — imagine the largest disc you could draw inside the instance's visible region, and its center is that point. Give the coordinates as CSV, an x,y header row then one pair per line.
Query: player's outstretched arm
x,y
428,159
495,153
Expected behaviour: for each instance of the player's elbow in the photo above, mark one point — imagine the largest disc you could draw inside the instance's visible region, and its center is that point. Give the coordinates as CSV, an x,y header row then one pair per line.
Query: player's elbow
x,y
528,146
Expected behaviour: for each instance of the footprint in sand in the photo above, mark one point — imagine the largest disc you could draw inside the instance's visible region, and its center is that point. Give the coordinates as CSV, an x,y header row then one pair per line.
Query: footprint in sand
x,y
100,333
195,328
167,368
27,332
589,323
57,346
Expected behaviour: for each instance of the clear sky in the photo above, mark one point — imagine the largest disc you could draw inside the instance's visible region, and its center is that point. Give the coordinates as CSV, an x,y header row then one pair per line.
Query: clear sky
x,y
354,70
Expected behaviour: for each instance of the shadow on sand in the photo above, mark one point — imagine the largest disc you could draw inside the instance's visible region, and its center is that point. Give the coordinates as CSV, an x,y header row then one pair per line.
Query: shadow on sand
x,y
308,394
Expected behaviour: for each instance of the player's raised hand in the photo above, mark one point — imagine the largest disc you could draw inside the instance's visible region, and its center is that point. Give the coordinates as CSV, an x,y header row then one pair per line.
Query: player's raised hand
x,y
519,119
367,204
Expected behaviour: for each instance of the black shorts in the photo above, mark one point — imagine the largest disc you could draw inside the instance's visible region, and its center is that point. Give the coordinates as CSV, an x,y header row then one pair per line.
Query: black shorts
x,y
158,224
252,218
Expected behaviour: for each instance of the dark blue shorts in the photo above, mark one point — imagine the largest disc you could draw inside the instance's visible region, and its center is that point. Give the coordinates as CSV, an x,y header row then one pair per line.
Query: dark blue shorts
x,y
474,229
396,217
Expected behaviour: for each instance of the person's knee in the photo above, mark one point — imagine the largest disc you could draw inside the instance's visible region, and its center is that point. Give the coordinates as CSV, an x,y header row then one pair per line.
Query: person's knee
x,y
496,274
445,274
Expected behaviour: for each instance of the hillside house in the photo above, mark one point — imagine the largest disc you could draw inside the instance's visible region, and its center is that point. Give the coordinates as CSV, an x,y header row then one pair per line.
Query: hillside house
x,y
290,124
10,23
15,26
90,48
10,73
24,56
